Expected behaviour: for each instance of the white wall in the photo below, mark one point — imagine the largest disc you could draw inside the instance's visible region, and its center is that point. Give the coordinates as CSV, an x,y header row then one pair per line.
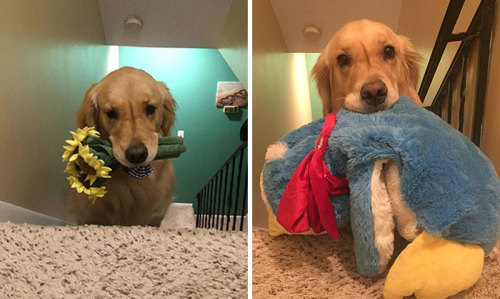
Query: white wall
x,y
490,139
51,51
280,94
234,40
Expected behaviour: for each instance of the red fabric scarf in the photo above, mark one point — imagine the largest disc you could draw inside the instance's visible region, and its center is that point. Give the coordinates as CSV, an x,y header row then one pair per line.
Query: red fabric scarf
x,y
306,199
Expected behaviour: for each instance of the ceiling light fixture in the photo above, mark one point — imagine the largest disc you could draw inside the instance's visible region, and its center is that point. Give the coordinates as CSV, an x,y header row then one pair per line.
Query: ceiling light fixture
x,y
312,32
133,23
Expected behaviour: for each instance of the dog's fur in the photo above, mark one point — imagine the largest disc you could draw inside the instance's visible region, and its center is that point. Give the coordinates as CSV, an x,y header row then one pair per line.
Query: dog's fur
x,y
363,45
363,42
129,201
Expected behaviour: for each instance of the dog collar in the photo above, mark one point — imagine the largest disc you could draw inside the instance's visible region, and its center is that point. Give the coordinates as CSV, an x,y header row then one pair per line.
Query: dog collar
x,y
139,172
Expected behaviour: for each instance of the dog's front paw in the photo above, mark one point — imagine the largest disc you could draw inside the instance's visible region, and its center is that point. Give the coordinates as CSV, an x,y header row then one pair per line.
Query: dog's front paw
x,y
432,267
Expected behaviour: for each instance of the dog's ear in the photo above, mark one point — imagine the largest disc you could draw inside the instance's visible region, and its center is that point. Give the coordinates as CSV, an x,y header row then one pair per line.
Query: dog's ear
x,y
411,59
321,73
168,108
87,115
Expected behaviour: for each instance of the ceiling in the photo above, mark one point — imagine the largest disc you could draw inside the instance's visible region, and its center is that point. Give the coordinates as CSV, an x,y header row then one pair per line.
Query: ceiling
x,y
328,16
166,23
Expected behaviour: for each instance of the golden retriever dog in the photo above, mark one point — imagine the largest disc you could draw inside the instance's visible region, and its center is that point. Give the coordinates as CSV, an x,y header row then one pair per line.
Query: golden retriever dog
x,y
130,109
365,67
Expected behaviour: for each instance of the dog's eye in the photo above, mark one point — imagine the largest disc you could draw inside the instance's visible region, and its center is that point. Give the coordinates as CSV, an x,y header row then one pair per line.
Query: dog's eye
x,y
343,60
112,114
389,52
150,109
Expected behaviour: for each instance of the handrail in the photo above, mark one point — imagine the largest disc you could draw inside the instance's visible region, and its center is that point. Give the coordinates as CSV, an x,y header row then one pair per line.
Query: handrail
x,y
443,37
228,161
479,29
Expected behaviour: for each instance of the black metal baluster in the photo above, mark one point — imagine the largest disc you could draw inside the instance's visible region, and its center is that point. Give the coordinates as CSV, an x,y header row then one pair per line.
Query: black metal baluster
x,y
238,183
450,100
463,84
245,196
202,219
224,197
205,206
230,195
219,179
198,210
214,220
207,214
207,202
439,109
210,203
486,25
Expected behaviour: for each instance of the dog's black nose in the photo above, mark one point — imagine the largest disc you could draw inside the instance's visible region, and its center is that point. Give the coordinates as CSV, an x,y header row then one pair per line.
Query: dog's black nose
x,y
136,153
374,92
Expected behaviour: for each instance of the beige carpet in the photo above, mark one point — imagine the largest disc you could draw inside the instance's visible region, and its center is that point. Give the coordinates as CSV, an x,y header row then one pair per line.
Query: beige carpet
x,y
318,267
120,262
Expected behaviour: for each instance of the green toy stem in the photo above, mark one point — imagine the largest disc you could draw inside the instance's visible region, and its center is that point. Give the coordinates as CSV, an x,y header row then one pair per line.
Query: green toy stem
x,y
168,148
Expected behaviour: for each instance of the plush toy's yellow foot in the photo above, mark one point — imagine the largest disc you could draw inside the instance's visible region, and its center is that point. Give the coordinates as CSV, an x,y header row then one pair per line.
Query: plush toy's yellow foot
x,y
432,267
274,228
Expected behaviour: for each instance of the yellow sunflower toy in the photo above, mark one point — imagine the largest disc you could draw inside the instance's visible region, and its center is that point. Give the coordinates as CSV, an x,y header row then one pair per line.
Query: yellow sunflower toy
x,y
90,161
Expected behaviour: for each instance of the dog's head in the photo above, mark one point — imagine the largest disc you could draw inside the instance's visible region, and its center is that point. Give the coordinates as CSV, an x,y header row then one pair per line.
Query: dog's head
x,y
365,67
131,109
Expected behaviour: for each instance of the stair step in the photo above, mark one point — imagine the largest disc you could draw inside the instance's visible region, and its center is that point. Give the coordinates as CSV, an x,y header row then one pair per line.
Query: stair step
x,y
179,215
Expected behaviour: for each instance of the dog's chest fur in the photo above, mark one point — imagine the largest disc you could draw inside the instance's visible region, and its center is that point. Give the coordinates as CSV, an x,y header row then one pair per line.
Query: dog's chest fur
x,y
129,201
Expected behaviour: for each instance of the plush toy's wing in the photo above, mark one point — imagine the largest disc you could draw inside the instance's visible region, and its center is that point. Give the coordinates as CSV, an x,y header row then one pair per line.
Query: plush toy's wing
x,y
283,157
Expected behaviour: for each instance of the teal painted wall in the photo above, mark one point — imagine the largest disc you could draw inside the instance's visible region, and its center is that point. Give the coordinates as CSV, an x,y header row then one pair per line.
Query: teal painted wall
x,y
210,136
316,106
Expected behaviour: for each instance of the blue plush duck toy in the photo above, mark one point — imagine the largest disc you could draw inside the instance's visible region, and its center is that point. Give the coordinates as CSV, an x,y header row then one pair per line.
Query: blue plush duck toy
x,y
405,168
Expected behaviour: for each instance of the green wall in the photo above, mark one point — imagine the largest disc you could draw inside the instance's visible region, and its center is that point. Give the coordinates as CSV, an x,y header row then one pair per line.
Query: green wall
x,y
210,136
316,106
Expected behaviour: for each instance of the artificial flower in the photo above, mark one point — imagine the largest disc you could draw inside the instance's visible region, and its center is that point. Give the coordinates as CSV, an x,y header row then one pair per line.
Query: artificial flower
x,y
93,192
92,166
70,151
83,167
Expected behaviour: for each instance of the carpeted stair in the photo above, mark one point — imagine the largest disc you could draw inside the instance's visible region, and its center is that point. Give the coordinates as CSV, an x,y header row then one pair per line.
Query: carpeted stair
x,y
301,266
121,262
